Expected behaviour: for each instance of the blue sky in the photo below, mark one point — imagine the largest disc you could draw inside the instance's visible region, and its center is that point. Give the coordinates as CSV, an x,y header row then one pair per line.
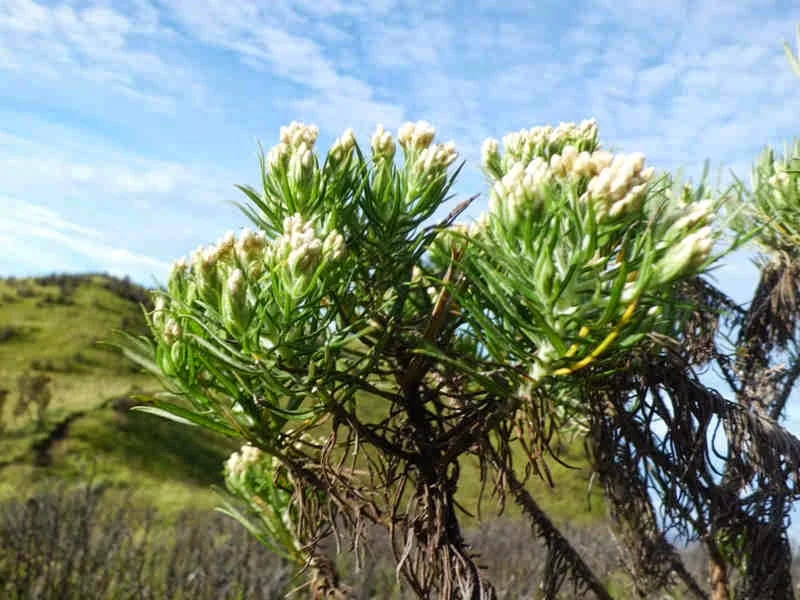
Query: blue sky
x,y
124,125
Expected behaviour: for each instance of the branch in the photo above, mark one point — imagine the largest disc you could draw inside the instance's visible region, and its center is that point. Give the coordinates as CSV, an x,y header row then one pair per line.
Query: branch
x,y
559,547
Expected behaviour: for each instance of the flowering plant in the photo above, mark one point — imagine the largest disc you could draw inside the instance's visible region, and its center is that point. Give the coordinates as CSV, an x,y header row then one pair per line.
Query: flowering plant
x,y
361,352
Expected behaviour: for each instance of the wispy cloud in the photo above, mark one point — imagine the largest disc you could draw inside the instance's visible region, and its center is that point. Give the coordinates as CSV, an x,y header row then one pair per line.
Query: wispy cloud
x,y
111,207
136,117
60,245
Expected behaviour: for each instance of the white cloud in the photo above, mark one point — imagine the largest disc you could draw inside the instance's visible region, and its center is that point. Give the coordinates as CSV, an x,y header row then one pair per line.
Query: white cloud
x,y
26,224
114,209
260,35
98,44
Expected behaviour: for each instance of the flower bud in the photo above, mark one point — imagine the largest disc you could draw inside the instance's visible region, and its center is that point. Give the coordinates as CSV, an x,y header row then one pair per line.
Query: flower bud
x,y
204,266
172,331
490,156
278,156
238,464
159,312
382,144
416,136
297,133
333,247
178,279
225,249
301,165
342,147
685,256
234,306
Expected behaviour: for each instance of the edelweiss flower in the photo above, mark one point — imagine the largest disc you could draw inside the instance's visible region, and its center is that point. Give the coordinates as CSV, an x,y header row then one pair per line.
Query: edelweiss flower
x,y
238,462
688,254
343,145
382,144
619,188
297,133
416,136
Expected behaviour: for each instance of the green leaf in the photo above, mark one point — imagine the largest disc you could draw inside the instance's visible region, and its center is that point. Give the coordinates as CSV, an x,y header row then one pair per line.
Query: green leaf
x,y
179,414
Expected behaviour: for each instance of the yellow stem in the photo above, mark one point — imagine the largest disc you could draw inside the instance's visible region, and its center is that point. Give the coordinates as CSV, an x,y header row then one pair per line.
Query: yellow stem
x,y
603,346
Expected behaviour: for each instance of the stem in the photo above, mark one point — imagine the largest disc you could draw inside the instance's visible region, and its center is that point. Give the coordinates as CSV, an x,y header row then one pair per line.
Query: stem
x,y
542,526
718,571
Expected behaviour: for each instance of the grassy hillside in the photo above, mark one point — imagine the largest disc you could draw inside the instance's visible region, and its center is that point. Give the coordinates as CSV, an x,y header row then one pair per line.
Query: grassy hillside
x,y
51,326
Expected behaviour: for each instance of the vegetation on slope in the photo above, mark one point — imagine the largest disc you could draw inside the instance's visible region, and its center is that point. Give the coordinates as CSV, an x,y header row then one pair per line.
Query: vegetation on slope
x,y
53,326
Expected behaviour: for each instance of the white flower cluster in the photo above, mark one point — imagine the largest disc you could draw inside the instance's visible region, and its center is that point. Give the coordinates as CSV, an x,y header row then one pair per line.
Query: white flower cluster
x,y
696,213
300,247
382,144
342,146
523,145
425,160
620,187
238,462
571,164
688,254
416,136
520,186
205,258
297,140
436,157
296,133
250,249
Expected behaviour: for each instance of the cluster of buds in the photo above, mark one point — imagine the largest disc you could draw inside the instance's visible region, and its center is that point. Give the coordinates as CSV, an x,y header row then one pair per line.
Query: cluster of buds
x,y
296,134
218,275
416,137
436,157
212,265
430,163
294,155
565,132
425,162
522,146
260,480
383,147
620,187
301,251
250,248
520,189
572,164
342,147
425,159
685,256
238,463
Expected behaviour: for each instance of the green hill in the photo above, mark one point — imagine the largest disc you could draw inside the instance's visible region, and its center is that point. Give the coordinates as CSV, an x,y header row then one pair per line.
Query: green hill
x,y
51,326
